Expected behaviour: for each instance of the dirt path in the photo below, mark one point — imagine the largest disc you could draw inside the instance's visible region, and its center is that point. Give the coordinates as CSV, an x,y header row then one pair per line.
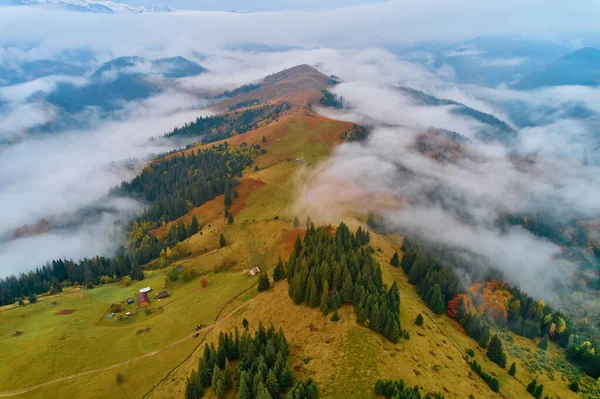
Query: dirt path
x,y
206,329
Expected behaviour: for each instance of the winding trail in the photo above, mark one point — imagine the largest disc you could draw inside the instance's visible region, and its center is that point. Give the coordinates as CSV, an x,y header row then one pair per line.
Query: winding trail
x,y
206,329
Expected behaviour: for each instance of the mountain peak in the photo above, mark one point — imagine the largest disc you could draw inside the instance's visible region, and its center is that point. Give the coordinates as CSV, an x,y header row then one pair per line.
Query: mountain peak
x,y
95,6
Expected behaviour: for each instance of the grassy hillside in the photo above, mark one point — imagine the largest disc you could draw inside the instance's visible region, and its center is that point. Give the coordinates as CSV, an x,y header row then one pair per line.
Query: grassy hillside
x,y
68,348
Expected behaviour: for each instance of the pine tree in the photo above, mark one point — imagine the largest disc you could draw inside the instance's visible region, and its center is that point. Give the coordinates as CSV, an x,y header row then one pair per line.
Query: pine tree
x,y
335,316
495,351
263,282
347,289
194,226
313,300
543,345
264,139
279,272
395,261
296,222
137,274
230,219
419,320
513,369
298,245
227,200
324,305
222,241
436,303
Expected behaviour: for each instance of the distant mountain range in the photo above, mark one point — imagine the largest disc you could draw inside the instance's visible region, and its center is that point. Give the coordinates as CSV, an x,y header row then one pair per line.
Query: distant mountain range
x,y
121,79
581,67
93,6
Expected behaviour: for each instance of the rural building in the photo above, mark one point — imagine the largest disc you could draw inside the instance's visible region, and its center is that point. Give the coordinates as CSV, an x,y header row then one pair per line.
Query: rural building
x,y
143,299
300,160
144,290
110,315
254,271
130,301
163,294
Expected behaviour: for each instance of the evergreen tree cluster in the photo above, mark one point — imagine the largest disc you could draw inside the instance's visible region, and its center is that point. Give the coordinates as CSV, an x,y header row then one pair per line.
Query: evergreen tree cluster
x,y
436,283
174,184
329,270
399,390
171,185
329,99
489,379
263,369
179,232
495,352
263,281
355,133
218,127
535,389
304,390
53,276
525,316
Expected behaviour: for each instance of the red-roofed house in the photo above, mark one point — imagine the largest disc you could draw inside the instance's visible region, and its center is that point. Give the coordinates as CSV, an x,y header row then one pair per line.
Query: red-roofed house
x,y
143,299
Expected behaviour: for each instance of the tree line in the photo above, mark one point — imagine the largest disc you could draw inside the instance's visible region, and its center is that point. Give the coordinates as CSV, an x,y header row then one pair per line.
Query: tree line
x,y
171,185
218,127
399,390
61,273
429,269
331,268
263,370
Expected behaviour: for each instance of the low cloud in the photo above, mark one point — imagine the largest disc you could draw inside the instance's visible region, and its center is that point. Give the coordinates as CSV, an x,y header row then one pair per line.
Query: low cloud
x,y
55,176
459,203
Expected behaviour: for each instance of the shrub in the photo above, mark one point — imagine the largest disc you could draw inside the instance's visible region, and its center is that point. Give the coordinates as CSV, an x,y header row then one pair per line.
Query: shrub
x,y
119,379
574,386
203,281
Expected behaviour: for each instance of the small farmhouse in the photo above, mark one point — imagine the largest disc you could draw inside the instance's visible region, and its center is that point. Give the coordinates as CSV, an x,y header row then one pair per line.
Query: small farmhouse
x,y
163,294
254,271
144,290
143,299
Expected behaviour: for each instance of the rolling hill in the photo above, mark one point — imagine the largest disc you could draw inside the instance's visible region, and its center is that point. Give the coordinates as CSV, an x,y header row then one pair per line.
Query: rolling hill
x,y
248,222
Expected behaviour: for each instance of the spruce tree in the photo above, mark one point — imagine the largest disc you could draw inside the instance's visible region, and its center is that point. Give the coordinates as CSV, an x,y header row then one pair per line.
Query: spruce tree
x,y
296,222
227,200
278,272
513,369
263,282
137,274
395,261
436,303
335,316
298,245
324,305
222,241
194,226
495,352
419,320
230,219
313,300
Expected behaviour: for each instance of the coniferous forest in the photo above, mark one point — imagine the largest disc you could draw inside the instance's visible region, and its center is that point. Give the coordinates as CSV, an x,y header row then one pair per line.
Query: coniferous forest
x,y
523,315
263,369
330,269
171,186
